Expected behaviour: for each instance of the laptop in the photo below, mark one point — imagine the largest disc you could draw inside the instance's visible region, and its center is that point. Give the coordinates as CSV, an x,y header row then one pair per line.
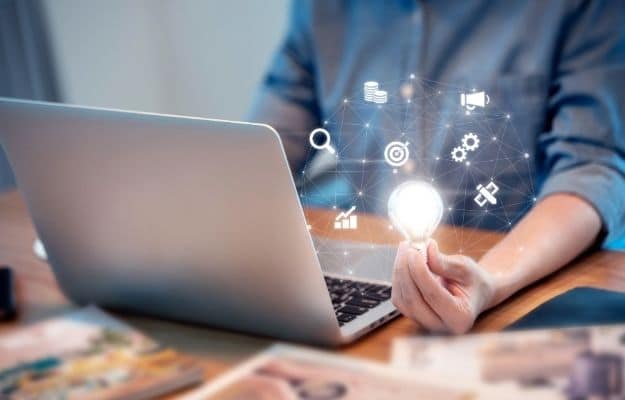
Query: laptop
x,y
190,219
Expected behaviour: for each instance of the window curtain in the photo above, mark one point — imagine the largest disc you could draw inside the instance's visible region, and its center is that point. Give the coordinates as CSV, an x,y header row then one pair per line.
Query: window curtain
x,y
26,67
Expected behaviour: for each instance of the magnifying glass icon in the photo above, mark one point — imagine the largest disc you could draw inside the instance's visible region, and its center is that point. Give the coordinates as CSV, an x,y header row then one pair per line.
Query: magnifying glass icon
x,y
320,140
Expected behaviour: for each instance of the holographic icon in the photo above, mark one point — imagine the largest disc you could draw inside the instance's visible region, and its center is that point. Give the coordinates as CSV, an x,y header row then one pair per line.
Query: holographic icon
x,y
459,154
346,220
470,141
320,139
373,94
472,100
370,88
486,194
380,97
396,153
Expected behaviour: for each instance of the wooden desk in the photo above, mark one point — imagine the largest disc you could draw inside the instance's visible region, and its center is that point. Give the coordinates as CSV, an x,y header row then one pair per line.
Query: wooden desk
x,y
39,296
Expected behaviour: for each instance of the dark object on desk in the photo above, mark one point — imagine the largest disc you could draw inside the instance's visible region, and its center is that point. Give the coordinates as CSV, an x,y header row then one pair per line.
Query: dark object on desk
x,y
7,298
596,376
581,306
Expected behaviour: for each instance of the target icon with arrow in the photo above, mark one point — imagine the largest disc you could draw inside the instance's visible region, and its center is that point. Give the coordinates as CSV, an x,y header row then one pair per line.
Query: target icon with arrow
x,y
396,153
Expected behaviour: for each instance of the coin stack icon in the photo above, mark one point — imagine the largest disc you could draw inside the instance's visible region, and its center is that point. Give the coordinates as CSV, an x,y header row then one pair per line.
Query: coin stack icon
x,y
373,94
370,88
380,97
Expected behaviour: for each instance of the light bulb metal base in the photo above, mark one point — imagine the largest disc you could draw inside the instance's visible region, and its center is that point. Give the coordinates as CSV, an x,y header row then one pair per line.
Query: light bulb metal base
x,y
421,247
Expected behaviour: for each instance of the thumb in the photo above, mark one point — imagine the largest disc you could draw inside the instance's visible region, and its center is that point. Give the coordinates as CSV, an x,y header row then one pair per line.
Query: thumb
x,y
445,266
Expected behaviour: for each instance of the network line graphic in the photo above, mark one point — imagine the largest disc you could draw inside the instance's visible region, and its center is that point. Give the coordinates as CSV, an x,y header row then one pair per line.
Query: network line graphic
x,y
466,141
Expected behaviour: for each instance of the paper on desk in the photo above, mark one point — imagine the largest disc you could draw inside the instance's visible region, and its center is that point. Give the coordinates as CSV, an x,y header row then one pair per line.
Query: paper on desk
x,y
87,354
539,364
286,372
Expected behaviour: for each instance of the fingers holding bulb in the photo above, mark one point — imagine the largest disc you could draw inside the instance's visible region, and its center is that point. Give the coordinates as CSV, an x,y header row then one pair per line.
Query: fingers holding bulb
x,y
406,295
430,286
437,302
441,266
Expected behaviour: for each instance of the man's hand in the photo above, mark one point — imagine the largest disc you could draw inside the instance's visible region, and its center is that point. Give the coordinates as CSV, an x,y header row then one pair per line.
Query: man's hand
x,y
449,292
444,295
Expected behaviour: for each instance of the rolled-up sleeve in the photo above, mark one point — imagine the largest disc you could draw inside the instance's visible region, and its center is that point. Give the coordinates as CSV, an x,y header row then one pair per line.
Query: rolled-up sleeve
x,y
583,150
287,97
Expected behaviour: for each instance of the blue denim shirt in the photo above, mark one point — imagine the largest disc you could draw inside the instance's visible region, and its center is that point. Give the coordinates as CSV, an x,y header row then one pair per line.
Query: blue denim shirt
x,y
554,73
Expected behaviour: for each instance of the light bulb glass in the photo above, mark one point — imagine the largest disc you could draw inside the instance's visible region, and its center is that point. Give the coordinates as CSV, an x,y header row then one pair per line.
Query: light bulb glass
x,y
415,209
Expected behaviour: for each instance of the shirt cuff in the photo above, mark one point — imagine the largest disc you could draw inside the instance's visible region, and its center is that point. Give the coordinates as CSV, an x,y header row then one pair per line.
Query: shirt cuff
x,y
601,186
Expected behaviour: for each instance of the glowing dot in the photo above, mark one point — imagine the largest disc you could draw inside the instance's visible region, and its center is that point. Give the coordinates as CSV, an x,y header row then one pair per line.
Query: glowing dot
x,y
345,100
534,199
467,112
449,208
509,223
438,158
395,170
447,125
390,227
439,92
364,160
325,122
345,253
359,193
367,125
309,227
474,89
494,137
411,76
408,101
350,272
508,116
468,163
334,207
521,248
526,155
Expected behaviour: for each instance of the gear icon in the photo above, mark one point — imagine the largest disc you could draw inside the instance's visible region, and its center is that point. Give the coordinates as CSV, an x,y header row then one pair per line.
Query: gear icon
x,y
459,154
470,141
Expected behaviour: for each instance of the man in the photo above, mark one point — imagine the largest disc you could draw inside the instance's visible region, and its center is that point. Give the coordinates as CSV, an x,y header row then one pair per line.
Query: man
x,y
557,71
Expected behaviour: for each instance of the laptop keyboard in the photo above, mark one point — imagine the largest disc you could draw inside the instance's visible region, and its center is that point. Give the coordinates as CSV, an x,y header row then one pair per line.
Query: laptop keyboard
x,y
352,298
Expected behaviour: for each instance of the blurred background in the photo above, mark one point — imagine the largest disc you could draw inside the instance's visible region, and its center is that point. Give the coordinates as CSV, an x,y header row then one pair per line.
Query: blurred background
x,y
182,57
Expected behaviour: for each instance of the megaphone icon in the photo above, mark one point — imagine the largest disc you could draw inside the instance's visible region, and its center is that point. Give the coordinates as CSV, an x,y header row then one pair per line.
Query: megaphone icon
x,y
471,100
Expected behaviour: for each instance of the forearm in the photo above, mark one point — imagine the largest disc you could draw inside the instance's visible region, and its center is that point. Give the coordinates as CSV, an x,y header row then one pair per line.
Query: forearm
x,y
553,233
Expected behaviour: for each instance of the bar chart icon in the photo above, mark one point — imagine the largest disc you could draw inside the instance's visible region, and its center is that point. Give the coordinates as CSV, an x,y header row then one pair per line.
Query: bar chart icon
x,y
346,220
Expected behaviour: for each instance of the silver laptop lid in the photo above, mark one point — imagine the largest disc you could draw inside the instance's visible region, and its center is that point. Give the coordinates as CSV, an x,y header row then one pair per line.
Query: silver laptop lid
x,y
184,218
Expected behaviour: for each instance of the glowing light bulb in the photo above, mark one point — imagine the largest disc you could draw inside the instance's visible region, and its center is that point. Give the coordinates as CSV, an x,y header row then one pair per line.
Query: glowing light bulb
x,y
415,209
